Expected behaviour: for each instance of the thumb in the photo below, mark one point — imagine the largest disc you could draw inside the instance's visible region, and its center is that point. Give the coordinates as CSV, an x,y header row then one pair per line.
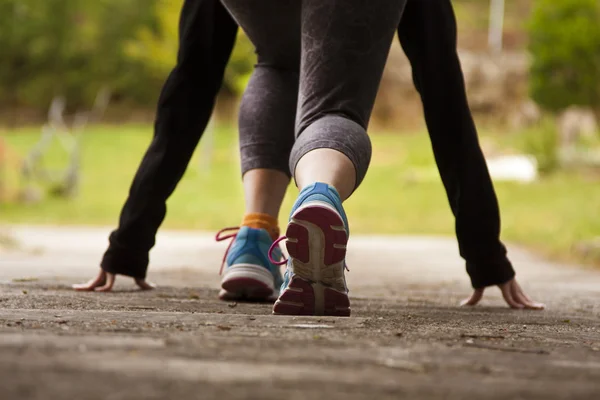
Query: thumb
x,y
474,299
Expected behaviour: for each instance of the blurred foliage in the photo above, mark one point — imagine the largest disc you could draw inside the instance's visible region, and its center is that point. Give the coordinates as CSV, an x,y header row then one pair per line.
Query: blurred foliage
x,y
542,142
552,214
73,47
565,45
240,64
69,48
156,47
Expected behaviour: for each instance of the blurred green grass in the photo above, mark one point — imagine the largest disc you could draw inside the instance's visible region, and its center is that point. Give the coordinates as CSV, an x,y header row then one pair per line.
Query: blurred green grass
x,y
402,193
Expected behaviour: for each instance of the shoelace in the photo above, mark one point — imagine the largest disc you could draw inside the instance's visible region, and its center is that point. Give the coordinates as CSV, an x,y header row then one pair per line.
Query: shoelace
x,y
231,236
276,243
273,246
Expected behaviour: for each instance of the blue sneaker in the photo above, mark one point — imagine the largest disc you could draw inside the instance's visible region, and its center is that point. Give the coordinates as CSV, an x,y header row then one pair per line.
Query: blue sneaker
x,y
317,234
249,275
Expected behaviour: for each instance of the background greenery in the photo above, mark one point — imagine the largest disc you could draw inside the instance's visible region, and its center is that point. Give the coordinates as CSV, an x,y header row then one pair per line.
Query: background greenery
x,y
564,40
75,47
402,193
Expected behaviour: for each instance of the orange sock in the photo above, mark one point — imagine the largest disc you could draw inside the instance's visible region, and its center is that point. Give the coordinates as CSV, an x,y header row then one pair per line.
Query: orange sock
x,y
262,221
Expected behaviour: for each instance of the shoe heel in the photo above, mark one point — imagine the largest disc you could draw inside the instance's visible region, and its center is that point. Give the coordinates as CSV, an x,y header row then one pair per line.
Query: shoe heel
x,y
305,298
247,281
316,243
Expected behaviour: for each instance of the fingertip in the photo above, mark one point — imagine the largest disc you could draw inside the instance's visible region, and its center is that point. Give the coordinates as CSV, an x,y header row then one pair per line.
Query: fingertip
x,y
145,285
465,303
538,306
82,287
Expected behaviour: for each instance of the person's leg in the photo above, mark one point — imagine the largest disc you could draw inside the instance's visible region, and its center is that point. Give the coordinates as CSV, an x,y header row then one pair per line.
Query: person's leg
x,y
327,165
249,274
344,49
264,190
266,128
268,107
427,33
206,37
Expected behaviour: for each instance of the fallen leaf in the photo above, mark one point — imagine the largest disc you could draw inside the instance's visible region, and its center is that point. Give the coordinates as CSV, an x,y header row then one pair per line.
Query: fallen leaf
x,y
475,336
25,279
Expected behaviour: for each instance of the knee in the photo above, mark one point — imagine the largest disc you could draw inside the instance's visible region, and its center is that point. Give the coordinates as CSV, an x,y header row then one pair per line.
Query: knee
x,y
339,133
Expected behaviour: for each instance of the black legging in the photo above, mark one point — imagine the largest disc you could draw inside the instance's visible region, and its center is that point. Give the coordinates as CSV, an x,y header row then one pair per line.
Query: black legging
x,y
427,33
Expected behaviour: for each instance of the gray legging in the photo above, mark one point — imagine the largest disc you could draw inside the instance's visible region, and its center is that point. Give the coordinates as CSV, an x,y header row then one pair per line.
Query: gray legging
x,y
319,67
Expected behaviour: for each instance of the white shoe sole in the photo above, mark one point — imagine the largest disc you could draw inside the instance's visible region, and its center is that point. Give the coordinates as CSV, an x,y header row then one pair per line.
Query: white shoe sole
x,y
248,282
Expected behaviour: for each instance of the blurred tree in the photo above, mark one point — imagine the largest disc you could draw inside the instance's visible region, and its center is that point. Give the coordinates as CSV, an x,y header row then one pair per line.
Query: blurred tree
x,y
156,46
240,65
67,47
116,23
565,45
71,48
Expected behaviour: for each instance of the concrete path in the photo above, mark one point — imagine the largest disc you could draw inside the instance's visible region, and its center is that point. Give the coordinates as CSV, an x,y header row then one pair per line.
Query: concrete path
x,y
406,339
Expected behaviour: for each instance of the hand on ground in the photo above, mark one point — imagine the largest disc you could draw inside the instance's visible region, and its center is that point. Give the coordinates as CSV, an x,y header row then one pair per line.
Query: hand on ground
x,y
513,295
104,283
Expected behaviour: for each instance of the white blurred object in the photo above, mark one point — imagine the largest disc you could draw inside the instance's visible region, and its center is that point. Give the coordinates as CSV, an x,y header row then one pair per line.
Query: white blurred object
x,y
520,168
496,28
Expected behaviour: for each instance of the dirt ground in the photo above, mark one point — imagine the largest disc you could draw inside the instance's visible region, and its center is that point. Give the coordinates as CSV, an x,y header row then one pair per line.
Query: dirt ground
x,y
407,338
